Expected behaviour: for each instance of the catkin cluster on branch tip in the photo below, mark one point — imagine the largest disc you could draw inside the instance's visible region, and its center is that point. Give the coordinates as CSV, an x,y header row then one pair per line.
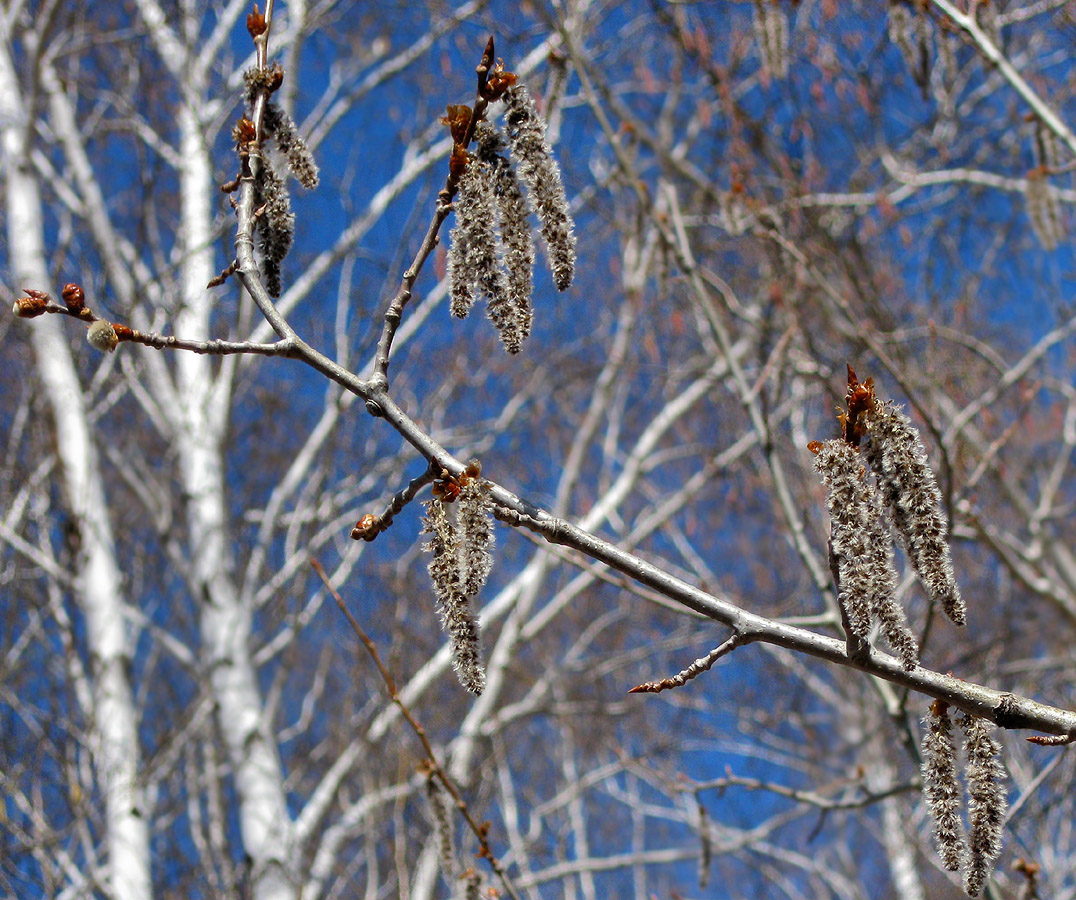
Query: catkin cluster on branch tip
x,y
861,541
975,850
461,563
276,224
863,550
491,254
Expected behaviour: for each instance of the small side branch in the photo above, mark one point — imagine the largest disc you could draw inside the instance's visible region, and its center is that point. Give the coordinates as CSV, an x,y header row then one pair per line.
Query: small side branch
x,y
370,526
394,313
229,271
702,664
1052,740
861,799
213,348
105,335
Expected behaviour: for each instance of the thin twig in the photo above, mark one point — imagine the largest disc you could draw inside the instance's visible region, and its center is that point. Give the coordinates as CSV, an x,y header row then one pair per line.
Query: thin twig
x,y
369,526
394,313
480,829
812,798
126,334
702,664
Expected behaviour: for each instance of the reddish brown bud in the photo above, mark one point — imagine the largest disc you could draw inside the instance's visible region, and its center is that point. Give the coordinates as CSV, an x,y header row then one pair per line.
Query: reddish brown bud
x,y
276,78
498,82
256,23
458,162
73,297
367,528
244,131
123,332
487,55
32,305
457,117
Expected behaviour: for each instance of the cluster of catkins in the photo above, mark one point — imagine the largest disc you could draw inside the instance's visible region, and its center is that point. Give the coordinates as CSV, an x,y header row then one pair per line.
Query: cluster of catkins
x,y
861,538
461,522
929,51
892,472
491,255
276,224
976,848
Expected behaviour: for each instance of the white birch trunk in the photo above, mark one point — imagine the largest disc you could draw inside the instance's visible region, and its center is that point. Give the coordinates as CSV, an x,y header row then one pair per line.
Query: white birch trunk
x,y
113,720
226,623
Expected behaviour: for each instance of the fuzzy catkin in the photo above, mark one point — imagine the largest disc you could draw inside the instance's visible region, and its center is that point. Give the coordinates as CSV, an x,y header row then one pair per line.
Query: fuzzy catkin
x,y
884,606
281,127
1043,210
771,36
850,513
900,28
987,801
276,226
511,312
941,789
1045,146
913,499
476,534
474,270
540,174
863,548
435,794
453,600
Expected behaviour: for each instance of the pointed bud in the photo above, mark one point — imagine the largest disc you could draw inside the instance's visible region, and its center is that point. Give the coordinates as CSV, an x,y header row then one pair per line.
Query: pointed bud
x,y
73,297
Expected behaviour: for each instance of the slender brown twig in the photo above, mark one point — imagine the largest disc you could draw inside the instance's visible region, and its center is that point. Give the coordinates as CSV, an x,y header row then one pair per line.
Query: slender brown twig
x,y
370,526
480,829
702,664
394,313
